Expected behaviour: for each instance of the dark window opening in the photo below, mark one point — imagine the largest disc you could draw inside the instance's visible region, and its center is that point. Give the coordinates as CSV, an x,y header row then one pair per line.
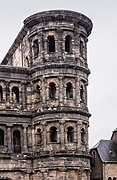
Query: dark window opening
x,y
51,44
109,178
17,141
82,135
81,93
52,91
81,48
26,63
68,44
1,94
114,178
1,137
36,47
39,136
15,94
53,134
69,90
70,134
37,92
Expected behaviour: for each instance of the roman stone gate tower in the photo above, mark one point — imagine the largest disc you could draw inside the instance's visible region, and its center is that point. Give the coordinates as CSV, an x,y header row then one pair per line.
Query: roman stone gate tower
x,y
46,93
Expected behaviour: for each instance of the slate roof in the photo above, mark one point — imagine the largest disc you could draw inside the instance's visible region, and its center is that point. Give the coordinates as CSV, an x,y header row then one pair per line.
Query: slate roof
x,y
107,150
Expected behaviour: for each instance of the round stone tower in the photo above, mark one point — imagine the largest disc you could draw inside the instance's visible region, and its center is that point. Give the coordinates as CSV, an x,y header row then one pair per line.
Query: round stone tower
x,y
59,78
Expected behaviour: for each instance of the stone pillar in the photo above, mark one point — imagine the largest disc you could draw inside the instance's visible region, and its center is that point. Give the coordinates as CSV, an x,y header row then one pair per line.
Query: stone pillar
x,y
62,132
76,49
7,94
77,92
25,138
61,91
30,51
43,92
88,175
23,95
9,138
27,177
59,42
78,136
44,136
44,175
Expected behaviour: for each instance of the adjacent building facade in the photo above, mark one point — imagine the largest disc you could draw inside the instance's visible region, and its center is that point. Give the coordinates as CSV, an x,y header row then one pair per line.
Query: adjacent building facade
x,y
44,117
104,159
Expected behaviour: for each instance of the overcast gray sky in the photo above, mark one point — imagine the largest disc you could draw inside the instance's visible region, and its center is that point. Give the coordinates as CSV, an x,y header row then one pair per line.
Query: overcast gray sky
x,y
102,49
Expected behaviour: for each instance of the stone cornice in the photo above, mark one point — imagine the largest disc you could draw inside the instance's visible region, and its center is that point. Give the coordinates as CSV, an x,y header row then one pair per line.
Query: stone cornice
x,y
60,15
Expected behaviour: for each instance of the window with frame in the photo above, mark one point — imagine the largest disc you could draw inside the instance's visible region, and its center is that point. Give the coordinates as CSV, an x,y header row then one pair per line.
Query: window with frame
x,y
69,90
1,137
1,94
52,91
82,135
35,47
51,44
17,141
70,134
53,134
68,41
15,94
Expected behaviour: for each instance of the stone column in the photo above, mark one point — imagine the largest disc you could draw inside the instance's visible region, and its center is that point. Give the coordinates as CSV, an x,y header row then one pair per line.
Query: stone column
x,y
44,136
27,177
42,45
62,132
44,175
77,92
30,51
43,92
59,42
24,95
25,138
78,136
8,94
61,91
9,138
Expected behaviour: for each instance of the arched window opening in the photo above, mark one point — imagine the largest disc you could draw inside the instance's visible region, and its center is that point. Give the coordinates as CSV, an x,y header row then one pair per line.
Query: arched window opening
x,y
1,94
17,141
1,137
68,44
69,90
81,47
81,93
53,134
70,134
109,178
15,94
39,136
82,135
37,92
52,90
51,44
35,47
114,178
26,62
